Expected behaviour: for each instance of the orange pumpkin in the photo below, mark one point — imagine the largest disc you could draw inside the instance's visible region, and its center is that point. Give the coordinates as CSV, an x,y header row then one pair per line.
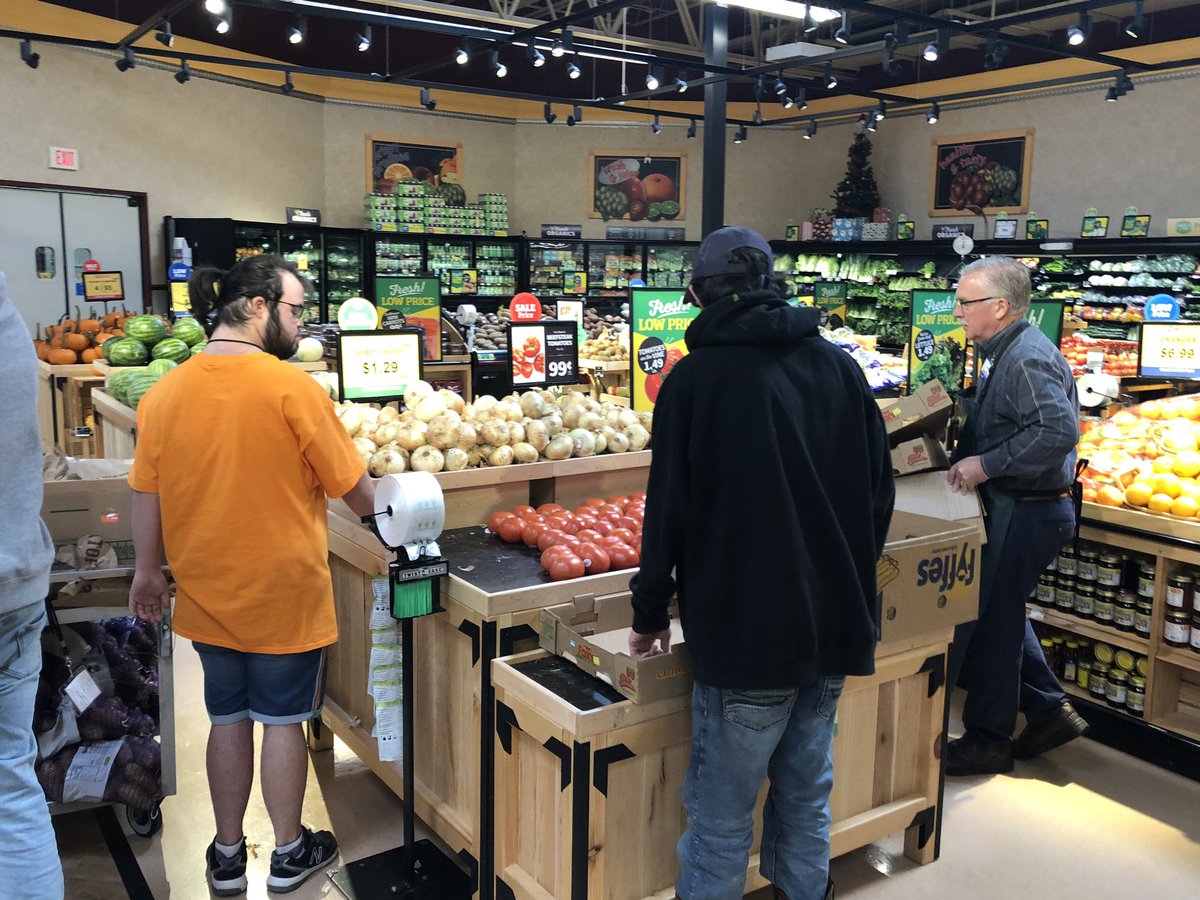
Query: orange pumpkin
x,y
90,325
61,357
102,337
110,320
91,354
76,341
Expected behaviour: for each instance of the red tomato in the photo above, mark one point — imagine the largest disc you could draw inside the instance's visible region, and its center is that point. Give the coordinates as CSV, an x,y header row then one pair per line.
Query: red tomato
x,y
619,500
586,521
552,553
608,514
569,540
629,523
494,520
566,567
522,511
636,544
549,538
539,363
594,501
604,527
534,517
547,509
653,386
563,524
588,534
531,533
623,557
511,529
638,495
624,535
595,558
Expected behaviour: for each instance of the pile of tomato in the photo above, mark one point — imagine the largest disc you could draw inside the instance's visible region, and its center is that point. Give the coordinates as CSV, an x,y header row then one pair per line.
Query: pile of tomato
x,y
528,358
599,536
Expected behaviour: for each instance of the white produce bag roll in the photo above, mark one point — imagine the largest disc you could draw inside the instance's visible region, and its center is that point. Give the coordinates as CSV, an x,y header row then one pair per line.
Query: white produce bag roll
x,y
418,511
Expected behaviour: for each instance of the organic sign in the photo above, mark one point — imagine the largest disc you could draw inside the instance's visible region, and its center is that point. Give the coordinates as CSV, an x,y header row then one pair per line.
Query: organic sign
x,y
544,353
990,171
1169,350
830,298
660,320
420,301
938,343
378,366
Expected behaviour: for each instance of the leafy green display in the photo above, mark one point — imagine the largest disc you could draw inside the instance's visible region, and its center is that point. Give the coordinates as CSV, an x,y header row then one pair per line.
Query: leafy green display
x,y
946,364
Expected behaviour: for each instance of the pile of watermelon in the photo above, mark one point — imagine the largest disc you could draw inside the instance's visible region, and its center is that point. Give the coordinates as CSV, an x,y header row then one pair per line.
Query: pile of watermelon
x,y
154,349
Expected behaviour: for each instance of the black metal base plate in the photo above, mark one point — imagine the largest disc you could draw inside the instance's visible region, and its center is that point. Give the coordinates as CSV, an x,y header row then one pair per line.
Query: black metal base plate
x,y
383,875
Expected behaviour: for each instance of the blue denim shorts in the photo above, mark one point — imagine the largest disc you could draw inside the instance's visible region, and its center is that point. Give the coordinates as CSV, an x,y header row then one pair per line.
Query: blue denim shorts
x,y
275,689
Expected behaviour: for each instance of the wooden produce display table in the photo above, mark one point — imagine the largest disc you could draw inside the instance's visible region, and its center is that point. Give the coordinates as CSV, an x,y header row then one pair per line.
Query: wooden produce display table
x,y
116,426
63,406
605,374
452,368
492,599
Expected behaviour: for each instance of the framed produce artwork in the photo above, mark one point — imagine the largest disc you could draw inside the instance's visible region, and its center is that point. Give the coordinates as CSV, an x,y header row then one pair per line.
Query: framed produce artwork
x,y
990,171
637,187
390,159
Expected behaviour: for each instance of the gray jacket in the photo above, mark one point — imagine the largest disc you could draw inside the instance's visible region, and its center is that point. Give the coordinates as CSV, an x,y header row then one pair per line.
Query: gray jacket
x,y
25,548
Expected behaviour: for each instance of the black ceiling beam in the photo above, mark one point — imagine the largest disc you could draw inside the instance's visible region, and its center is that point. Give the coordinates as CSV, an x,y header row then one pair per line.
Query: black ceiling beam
x,y
151,23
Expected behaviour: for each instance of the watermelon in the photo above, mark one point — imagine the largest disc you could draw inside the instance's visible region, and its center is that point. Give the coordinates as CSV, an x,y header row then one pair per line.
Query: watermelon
x,y
172,349
188,330
197,349
161,366
126,351
116,383
147,329
137,385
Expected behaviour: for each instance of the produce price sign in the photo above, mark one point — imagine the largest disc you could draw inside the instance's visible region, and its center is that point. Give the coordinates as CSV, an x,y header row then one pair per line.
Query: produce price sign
x,y
1169,350
1047,318
420,302
544,353
378,366
937,347
830,298
103,287
660,320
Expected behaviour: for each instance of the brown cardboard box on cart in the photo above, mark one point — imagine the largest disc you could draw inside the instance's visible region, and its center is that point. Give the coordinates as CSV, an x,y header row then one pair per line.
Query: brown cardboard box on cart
x,y
924,412
919,455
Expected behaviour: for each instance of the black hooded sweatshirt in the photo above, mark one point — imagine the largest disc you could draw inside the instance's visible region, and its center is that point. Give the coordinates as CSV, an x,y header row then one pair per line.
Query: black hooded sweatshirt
x,y
770,496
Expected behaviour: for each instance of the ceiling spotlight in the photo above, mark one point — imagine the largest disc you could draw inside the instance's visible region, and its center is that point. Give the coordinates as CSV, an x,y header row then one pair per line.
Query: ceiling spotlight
x,y
577,114
889,40
462,55
739,136
28,57
298,30
757,118
760,88
810,21
164,34
364,40
842,35
184,75
691,132
891,65
872,125
563,44
787,102
548,114
652,80
224,21
287,87
497,66
535,56
811,131
127,61
681,84
930,53
427,101
780,87
1112,95
830,79
997,49
802,98
880,111
1077,34
935,113
654,126
1124,83
573,71
216,7
1135,26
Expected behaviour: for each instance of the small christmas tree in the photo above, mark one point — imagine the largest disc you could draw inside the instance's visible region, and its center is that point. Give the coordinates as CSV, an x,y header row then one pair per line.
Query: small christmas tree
x,y
857,194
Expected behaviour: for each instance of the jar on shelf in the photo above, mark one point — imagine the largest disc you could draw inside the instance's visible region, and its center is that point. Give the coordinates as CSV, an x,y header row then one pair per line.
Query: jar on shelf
x,y
1108,570
1068,566
1145,582
1048,654
1104,610
1117,687
1142,618
1070,661
1178,629
1125,612
1135,697
1179,591
1098,681
1044,594
1083,669
1195,636
1060,654
1064,594
1123,659
1052,569
1087,564
1085,601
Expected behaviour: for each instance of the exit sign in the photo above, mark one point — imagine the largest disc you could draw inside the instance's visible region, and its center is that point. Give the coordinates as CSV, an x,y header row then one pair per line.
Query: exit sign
x,y
64,158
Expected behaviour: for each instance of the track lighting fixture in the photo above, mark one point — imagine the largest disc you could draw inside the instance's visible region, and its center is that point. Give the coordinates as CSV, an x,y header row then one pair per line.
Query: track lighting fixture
x,y
287,87
997,50
871,122
681,84
576,115
891,65
930,53
224,21
127,61
935,113
691,132
760,88
563,44
462,55
830,79
573,71
902,29
787,102
739,136
497,66
889,41
216,7
1135,26
802,98
780,87
184,75
298,30
842,35
1112,95
427,101
548,114
364,40
28,57
535,56
810,22
757,118
655,128
880,112
164,35
1124,83
811,131
652,80
1077,34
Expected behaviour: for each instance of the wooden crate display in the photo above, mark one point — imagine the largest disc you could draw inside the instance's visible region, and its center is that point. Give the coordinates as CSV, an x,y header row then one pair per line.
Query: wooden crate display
x,y
116,426
589,803
52,382
75,396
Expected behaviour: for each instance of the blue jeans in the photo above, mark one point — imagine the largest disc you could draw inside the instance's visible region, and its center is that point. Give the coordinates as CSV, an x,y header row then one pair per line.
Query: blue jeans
x,y
26,835
1004,669
739,739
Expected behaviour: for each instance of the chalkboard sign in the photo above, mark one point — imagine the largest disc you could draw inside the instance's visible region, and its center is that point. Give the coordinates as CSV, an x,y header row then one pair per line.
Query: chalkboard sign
x,y
990,171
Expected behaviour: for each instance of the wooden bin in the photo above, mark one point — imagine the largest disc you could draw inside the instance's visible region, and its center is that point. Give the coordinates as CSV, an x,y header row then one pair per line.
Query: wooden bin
x,y
116,426
54,415
589,804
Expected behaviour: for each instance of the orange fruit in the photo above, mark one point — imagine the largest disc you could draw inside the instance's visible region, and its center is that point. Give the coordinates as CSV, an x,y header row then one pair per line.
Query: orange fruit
x,y
1189,487
1167,483
1185,507
1151,409
1125,420
1164,464
658,188
1089,495
1187,464
1161,502
1139,493
1110,495
1170,411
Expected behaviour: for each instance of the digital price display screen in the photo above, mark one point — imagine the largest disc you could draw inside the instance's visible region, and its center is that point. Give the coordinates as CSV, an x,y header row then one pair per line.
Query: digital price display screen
x,y
1169,350
378,366
544,353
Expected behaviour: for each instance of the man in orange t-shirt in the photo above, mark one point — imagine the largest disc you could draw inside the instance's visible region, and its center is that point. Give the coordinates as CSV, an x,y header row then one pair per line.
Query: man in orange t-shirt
x,y
236,454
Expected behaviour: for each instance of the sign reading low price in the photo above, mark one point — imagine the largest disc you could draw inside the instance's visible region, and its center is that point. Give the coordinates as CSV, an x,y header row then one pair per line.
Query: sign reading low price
x,y
378,366
1169,350
660,323
419,300
544,353
830,298
937,347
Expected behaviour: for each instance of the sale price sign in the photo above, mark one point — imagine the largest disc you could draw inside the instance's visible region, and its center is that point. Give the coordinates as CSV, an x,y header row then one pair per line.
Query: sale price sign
x,y
1169,350
378,366
544,354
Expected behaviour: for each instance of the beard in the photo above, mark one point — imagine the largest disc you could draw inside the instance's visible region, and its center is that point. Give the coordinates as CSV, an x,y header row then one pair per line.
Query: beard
x,y
275,341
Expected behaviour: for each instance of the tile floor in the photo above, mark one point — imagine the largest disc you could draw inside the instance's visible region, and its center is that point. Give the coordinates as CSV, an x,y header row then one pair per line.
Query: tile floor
x,y
1084,822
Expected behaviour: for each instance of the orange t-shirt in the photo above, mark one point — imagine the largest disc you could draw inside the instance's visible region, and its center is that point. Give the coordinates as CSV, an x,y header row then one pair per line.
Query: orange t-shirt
x,y
242,451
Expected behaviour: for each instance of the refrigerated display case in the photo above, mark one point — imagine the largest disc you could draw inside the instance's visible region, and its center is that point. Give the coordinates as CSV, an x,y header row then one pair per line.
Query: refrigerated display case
x,y
499,265
395,255
345,270
254,240
553,263
447,255
611,266
669,265
304,248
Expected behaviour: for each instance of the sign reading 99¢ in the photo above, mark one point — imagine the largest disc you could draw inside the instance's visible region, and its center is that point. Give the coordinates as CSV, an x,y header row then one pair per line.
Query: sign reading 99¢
x,y
544,354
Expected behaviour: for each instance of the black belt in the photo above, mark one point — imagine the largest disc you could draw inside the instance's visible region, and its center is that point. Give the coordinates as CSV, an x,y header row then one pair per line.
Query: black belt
x,y
1042,495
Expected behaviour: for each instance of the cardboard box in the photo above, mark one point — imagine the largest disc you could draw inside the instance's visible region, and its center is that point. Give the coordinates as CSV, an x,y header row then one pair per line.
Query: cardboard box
x,y
74,509
847,229
593,633
919,455
929,494
924,412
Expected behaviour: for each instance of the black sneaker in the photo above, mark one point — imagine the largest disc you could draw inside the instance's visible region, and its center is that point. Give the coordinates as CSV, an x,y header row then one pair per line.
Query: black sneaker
x,y
971,756
226,874
288,870
1049,731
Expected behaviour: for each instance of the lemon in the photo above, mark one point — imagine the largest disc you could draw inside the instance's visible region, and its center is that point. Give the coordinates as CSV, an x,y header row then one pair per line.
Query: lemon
x,y
1185,507
1164,464
1187,464
1161,502
1167,483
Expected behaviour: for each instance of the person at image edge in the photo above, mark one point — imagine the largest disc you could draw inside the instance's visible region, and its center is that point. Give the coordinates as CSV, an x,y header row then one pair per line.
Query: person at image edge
x,y
26,553
236,454
1017,448
773,536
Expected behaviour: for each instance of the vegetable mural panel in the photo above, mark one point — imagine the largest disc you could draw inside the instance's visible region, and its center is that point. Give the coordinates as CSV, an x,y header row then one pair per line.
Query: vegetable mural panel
x,y
637,187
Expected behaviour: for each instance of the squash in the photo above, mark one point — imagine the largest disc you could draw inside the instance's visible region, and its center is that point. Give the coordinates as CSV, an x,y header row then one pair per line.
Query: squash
x,y
104,336
90,325
74,340
110,320
40,346
62,357
91,354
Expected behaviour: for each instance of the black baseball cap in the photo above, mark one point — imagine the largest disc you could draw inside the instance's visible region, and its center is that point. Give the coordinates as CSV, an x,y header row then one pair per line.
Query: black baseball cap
x,y
713,256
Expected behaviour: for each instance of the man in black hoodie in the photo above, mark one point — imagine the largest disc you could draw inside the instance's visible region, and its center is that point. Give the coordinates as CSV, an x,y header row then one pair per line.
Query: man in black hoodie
x,y
768,506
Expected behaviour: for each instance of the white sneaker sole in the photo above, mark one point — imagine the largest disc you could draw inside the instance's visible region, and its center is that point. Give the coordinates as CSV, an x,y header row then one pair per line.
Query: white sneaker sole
x,y
228,887
278,885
